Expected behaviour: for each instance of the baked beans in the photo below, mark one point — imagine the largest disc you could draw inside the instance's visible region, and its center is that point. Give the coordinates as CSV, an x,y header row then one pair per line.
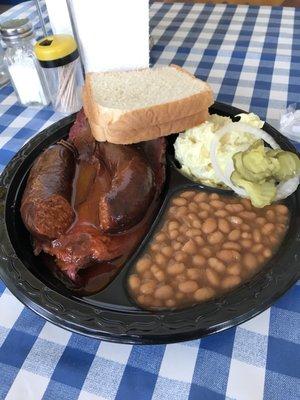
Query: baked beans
x,y
206,245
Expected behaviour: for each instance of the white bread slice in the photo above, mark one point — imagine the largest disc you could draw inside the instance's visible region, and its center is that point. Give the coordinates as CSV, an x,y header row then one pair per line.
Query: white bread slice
x,y
151,132
154,132
130,107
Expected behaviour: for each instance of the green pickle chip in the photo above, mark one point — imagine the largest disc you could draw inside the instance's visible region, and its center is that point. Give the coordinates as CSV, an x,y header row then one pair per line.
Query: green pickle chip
x,y
289,166
258,169
260,195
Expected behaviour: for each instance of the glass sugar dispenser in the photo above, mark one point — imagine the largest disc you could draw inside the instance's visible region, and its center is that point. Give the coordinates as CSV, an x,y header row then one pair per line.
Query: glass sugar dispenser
x,y
59,57
26,75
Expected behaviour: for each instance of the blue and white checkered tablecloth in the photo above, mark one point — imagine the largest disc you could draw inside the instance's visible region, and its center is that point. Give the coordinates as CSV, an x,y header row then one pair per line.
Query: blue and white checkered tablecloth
x,y
251,58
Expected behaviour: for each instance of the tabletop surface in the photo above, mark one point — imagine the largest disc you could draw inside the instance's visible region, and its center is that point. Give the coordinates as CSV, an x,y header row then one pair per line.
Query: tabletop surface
x,y
251,58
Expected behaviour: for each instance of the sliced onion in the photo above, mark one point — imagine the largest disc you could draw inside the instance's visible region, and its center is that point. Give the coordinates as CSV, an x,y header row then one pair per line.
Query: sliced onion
x,y
227,174
283,190
223,177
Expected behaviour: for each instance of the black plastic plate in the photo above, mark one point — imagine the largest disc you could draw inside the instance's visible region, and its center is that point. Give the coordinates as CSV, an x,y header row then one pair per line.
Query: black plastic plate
x,y
110,314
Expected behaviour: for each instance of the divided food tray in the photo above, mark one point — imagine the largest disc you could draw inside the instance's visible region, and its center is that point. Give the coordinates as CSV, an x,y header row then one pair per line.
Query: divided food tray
x,y
111,314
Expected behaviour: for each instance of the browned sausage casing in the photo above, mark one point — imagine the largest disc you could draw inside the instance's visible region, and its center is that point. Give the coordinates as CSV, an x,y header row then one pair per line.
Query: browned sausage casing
x,y
45,208
132,187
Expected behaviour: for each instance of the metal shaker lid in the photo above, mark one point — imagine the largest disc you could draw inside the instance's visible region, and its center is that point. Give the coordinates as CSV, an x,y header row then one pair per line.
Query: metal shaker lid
x,y
16,29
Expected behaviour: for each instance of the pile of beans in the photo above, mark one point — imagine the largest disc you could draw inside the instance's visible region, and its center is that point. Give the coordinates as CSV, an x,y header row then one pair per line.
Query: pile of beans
x,y
206,245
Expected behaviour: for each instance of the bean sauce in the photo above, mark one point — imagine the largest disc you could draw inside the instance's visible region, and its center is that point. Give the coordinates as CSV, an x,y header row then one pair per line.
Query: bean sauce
x,y
206,245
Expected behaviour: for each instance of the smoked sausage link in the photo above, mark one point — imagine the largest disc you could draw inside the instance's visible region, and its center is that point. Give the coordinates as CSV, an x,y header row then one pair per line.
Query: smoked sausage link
x,y
45,208
132,187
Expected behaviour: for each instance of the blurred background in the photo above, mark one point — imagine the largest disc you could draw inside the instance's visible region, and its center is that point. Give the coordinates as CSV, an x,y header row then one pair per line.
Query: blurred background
x,y
287,3
4,5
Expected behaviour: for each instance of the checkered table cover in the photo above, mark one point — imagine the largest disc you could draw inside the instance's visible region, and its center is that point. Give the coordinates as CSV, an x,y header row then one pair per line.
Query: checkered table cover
x,y
251,58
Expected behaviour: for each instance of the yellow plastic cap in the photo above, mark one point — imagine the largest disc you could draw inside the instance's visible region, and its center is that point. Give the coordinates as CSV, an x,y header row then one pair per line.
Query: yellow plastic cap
x,y
54,47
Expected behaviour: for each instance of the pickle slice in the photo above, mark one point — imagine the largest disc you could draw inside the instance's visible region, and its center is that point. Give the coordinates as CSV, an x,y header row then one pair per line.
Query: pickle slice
x,y
258,169
261,195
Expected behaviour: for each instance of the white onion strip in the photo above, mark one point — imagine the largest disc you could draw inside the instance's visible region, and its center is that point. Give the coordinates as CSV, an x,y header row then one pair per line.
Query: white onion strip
x,y
227,174
285,189
228,128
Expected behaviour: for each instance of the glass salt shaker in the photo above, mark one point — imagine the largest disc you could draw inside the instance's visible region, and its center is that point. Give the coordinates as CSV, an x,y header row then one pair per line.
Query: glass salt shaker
x,y
26,75
4,77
